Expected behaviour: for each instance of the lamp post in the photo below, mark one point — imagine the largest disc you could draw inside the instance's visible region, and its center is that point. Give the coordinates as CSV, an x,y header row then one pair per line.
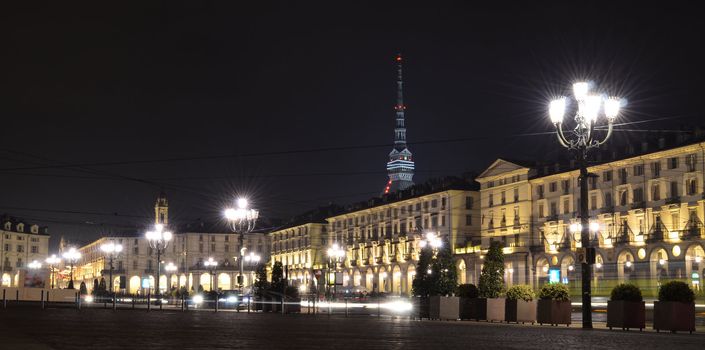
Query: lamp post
x,y
242,221
52,261
583,140
158,240
431,239
212,267
72,256
112,250
335,253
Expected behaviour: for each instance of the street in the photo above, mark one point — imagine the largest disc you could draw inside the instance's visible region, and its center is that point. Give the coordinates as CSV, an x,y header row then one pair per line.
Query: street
x,y
30,328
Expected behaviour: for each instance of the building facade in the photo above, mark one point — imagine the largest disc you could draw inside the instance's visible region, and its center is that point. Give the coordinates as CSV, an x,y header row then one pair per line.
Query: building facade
x,y
135,268
21,244
380,237
646,214
301,249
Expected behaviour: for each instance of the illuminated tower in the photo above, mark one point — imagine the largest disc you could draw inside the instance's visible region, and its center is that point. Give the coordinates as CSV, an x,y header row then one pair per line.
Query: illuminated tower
x,y
161,210
400,166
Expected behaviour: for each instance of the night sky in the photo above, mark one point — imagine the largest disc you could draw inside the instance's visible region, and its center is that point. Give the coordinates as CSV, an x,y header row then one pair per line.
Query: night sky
x,y
293,105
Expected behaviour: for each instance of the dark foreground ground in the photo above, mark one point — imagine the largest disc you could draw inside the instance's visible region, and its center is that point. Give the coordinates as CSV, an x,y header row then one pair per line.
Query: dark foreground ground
x,y
30,328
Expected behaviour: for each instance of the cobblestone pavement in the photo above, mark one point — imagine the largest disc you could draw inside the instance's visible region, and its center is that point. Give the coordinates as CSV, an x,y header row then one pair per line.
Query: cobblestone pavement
x,y
30,328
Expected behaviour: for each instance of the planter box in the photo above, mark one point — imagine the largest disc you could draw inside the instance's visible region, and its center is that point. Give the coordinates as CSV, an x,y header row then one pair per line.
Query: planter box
x,y
267,305
626,314
292,305
520,311
257,304
444,308
553,312
674,316
495,309
467,310
423,308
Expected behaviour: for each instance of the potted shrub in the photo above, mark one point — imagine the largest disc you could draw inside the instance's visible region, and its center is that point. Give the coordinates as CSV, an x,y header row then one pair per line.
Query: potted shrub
x,y
436,279
626,309
520,305
553,306
292,301
490,304
468,298
675,308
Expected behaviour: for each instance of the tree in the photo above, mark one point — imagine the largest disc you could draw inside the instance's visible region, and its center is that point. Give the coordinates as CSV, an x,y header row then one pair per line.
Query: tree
x,y
261,285
492,276
96,288
102,288
278,281
446,275
421,285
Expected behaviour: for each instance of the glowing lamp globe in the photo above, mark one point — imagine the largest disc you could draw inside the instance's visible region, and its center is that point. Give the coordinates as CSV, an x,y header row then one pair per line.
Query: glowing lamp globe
x,y
612,106
556,110
580,90
592,107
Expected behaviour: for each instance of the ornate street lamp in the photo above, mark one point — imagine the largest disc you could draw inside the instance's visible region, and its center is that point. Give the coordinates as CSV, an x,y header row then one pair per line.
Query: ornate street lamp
x,y
52,261
72,255
335,254
584,139
159,240
112,250
242,221
431,239
34,265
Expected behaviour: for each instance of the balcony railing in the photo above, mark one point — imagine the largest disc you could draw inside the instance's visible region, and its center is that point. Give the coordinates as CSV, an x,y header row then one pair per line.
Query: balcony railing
x,y
623,236
638,205
673,200
656,233
606,210
694,229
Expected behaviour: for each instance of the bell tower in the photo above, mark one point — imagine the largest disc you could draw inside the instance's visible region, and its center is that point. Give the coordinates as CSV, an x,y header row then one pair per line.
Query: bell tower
x,y
161,210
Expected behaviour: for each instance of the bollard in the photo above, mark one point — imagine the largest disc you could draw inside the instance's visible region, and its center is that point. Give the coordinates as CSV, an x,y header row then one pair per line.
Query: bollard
x,y
160,303
133,301
17,296
149,301
114,302
182,302
282,305
248,304
78,300
346,307
4,300
42,298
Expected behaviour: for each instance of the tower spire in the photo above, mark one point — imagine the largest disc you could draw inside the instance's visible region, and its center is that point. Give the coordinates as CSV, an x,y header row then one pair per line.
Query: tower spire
x,y
400,129
400,167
